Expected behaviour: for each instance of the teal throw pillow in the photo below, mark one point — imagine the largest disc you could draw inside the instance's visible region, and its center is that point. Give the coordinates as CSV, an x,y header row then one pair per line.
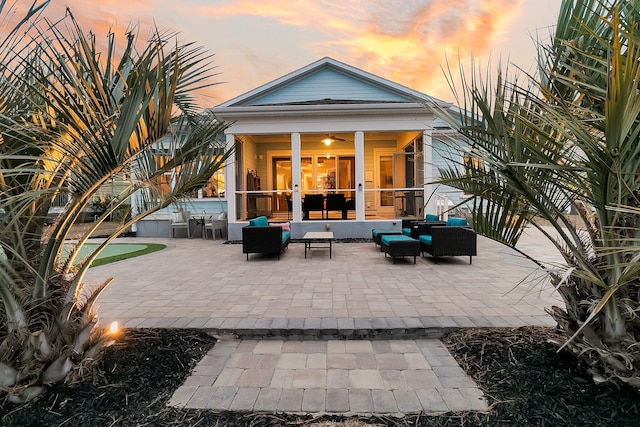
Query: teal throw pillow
x,y
260,221
457,222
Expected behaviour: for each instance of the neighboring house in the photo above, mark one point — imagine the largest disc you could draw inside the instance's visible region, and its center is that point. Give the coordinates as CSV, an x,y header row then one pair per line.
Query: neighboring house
x,y
326,129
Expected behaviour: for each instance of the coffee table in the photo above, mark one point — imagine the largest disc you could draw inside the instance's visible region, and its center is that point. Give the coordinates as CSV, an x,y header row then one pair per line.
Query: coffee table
x,y
320,238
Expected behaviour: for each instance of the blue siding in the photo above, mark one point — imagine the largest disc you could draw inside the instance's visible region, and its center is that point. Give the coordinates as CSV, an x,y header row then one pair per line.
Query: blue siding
x,y
328,84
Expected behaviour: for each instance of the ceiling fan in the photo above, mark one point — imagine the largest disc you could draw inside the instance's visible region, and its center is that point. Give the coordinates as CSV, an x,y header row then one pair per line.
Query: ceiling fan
x,y
330,139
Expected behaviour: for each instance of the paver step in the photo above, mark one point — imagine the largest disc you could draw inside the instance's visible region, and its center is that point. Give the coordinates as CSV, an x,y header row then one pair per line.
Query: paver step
x,y
333,333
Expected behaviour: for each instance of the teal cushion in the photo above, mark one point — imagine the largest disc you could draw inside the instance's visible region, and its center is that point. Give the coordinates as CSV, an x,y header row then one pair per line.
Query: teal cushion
x,y
431,217
260,221
426,239
406,231
285,236
375,232
457,222
386,238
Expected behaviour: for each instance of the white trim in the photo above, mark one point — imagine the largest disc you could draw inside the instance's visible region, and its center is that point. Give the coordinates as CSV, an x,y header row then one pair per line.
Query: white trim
x,y
227,113
427,154
360,184
230,180
295,176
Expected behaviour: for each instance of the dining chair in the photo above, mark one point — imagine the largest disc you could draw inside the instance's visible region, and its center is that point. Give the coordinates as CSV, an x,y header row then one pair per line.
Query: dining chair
x,y
313,202
336,202
289,206
180,221
220,223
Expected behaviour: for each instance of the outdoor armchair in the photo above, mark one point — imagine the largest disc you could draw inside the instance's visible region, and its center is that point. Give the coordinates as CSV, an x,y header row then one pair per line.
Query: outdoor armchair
x,y
408,224
453,239
420,228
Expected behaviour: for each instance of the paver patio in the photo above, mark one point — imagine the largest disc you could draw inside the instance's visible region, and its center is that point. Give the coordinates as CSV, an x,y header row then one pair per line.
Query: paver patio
x,y
321,335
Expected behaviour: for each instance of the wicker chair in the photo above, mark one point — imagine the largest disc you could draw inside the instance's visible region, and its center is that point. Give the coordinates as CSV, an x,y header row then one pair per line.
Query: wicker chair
x,y
420,228
446,240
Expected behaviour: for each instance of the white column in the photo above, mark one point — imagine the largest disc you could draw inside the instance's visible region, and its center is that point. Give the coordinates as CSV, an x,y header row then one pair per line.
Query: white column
x,y
134,203
427,149
359,148
295,176
230,180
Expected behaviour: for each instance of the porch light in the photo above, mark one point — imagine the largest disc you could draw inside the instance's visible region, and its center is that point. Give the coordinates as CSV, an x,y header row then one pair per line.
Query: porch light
x,y
327,141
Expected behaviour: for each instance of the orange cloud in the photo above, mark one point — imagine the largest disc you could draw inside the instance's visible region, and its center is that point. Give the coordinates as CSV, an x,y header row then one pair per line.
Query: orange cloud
x,y
403,41
256,41
411,48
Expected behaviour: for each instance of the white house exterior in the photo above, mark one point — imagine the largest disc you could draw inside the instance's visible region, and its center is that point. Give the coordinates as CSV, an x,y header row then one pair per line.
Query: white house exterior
x,y
379,153
381,156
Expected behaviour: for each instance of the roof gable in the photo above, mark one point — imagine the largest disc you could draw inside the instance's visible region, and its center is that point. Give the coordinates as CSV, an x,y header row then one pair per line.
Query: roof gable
x,y
327,81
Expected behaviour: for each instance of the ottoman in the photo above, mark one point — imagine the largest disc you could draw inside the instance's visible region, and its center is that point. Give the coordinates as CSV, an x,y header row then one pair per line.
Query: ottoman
x,y
377,233
399,245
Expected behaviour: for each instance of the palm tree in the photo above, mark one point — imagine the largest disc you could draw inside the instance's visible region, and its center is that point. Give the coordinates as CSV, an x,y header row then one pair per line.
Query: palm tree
x,y
568,138
72,118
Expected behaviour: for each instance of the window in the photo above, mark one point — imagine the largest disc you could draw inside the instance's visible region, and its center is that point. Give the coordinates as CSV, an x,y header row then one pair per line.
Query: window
x,y
473,167
215,186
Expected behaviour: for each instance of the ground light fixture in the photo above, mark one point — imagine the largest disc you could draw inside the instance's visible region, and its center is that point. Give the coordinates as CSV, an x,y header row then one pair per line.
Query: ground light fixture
x,y
114,328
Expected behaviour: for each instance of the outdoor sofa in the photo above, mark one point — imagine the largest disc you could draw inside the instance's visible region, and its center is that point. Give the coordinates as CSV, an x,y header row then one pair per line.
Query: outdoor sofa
x,y
260,237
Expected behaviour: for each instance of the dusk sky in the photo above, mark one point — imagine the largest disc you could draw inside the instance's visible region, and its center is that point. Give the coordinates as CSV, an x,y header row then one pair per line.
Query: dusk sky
x,y
406,41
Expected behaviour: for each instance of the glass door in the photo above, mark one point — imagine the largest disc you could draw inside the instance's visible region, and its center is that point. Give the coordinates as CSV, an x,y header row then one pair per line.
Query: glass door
x,y
326,173
282,184
385,180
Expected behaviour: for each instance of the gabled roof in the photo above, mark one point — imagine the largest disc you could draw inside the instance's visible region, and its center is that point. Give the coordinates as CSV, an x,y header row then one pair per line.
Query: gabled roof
x,y
326,82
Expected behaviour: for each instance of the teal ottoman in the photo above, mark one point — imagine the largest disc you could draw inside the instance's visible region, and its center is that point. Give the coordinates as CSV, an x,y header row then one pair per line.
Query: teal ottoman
x,y
377,233
399,246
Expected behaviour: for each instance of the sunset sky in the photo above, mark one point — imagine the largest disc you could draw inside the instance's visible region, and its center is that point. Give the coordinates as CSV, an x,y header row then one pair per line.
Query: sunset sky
x,y
406,41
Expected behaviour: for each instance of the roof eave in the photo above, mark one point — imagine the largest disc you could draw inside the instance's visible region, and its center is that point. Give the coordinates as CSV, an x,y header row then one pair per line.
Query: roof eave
x,y
329,109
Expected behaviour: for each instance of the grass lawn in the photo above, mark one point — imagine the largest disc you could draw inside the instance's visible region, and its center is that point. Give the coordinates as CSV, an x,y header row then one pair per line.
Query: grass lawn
x,y
116,251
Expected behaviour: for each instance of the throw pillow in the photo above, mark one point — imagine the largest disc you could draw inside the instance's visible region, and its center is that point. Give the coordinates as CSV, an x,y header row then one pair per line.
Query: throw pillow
x,y
285,225
457,222
260,221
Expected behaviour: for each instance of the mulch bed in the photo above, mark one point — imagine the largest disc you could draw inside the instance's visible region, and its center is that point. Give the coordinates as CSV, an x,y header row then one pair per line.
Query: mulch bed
x,y
527,383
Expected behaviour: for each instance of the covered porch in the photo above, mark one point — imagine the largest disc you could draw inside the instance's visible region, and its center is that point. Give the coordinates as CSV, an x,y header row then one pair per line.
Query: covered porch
x,y
329,146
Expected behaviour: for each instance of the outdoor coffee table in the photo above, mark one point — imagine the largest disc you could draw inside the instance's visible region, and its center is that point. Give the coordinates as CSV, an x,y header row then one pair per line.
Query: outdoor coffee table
x,y
317,238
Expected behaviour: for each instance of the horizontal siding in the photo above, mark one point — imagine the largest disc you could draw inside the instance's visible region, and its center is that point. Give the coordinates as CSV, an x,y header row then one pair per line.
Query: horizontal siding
x,y
327,84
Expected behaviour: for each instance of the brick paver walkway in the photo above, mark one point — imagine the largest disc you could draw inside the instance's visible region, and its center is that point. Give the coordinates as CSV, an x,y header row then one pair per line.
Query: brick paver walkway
x,y
350,334
335,376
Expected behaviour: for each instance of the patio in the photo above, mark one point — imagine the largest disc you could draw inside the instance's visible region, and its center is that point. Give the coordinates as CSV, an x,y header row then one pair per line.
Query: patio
x,y
351,334
204,284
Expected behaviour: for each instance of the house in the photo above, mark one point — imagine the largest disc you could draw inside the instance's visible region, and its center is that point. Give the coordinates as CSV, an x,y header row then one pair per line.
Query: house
x,y
361,144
